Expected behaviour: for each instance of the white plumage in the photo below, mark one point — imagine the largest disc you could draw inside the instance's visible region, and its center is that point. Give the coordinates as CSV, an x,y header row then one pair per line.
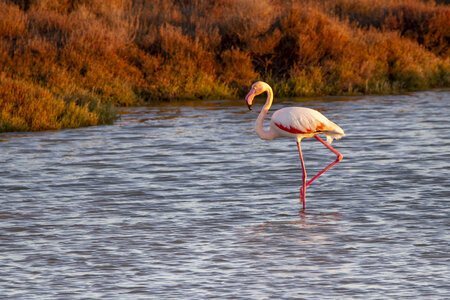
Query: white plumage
x,y
295,122
305,121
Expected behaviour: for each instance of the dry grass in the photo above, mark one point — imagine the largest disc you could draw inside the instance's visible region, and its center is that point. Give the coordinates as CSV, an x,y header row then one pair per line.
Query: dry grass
x,y
65,63
422,21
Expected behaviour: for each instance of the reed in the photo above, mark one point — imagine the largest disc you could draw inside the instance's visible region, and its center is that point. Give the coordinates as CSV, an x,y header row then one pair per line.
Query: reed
x,y
69,63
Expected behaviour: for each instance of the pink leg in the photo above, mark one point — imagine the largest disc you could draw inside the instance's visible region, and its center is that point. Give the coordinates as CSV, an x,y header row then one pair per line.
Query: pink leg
x,y
303,188
338,159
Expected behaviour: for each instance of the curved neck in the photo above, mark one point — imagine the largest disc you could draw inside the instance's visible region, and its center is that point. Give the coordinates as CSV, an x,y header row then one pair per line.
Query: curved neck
x,y
265,135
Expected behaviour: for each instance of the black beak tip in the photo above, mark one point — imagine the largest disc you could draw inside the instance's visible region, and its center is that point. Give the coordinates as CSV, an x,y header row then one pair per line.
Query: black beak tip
x,y
249,107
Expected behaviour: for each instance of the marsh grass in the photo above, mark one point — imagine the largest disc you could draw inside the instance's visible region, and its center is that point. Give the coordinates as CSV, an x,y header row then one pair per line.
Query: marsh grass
x,y
69,63
26,107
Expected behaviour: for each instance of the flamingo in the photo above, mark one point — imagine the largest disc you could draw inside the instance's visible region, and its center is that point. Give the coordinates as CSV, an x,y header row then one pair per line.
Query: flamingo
x,y
298,123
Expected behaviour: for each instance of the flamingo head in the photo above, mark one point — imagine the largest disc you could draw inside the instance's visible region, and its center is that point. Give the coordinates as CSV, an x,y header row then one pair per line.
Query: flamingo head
x,y
258,88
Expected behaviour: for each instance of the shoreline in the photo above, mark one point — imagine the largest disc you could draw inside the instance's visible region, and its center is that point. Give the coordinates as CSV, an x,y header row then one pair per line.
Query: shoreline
x,y
120,111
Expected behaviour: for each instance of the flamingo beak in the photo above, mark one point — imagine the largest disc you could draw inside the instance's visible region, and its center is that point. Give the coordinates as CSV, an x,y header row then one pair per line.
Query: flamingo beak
x,y
249,98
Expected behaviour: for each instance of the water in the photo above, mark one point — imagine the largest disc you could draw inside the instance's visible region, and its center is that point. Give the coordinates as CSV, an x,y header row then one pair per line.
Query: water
x,y
184,201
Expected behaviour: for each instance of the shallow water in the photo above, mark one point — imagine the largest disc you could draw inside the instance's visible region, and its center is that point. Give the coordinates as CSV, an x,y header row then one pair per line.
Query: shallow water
x,y
182,201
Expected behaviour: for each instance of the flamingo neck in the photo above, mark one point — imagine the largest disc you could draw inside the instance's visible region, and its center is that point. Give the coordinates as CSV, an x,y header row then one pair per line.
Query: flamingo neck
x,y
265,135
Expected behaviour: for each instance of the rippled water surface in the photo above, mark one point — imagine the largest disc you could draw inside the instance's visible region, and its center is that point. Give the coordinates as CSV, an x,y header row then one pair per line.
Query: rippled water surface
x,y
183,201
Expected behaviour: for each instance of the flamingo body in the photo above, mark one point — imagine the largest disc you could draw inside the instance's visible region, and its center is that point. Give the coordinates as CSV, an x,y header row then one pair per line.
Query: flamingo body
x,y
304,122
295,122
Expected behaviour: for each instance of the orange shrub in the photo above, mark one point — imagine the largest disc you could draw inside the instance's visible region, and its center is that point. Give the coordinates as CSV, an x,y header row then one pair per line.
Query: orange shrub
x,y
423,21
128,52
12,21
237,68
24,107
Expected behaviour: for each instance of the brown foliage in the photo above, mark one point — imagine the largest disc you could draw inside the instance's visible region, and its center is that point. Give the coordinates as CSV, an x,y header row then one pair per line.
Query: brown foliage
x,y
128,52
422,21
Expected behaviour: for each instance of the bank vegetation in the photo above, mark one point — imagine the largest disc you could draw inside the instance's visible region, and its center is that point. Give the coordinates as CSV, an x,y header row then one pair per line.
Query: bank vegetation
x,y
68,63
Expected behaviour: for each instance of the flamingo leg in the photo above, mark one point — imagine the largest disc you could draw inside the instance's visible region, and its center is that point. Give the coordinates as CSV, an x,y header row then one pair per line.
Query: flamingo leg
x,y
303,188
338,159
